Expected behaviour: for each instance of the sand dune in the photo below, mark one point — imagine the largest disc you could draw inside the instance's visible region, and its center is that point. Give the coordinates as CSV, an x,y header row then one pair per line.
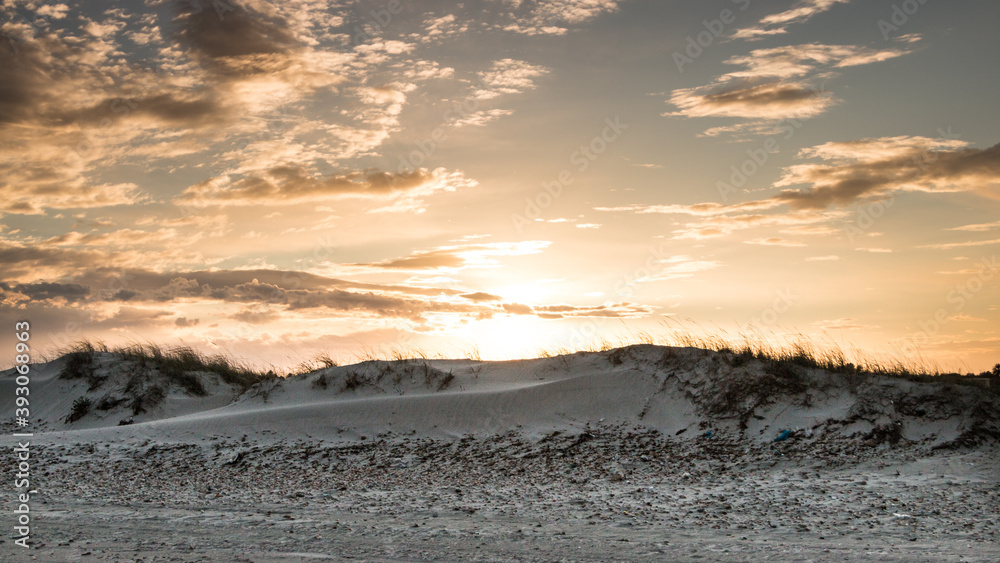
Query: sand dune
x,y
552,459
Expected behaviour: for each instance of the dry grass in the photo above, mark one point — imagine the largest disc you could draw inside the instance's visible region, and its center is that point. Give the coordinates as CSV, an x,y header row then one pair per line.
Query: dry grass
x,y
179,365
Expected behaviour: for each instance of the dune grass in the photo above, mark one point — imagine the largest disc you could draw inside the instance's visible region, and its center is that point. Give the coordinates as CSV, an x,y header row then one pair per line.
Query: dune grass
x,y
179,364
778,353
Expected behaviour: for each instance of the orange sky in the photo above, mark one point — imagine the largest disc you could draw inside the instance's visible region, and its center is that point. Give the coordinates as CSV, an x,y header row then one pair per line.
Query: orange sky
x,y
280,179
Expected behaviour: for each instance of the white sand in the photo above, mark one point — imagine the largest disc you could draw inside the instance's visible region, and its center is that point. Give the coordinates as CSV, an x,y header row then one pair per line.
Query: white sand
x,y
589,457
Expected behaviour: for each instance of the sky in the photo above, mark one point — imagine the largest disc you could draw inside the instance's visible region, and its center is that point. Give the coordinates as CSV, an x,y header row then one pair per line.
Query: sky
x,y
276,180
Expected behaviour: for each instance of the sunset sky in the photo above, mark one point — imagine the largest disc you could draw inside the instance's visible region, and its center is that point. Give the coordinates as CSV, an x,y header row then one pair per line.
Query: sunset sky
x,y
277,179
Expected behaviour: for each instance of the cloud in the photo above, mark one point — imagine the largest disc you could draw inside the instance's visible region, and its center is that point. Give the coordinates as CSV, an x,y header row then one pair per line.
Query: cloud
x,y
774,241
184,322
218,39
849,171
791,61
948,246
482,117
608,310
961,317
770,100
871,168
777,24
678,267
42,291
774,84
508,76
551,17
437,28
707,209
980,227
480,296
811,230
517,309
830,258
284,185
847,323
459,257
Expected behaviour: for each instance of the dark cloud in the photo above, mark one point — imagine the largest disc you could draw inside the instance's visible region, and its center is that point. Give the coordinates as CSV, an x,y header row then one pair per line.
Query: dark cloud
x,y
25,73
184,322
460,256
215,39
875,167
124,295
770,100
186,109
290,290
22,260
425,260
291,184
760,95
45,290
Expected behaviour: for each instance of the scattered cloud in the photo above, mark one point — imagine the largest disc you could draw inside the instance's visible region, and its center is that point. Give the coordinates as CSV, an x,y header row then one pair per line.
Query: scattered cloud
x,y
508,76
847,323
961,317
950,245
769,100
457,257
552,17
777,24
774,84
678,267
872,168
979,227
774,241
293,184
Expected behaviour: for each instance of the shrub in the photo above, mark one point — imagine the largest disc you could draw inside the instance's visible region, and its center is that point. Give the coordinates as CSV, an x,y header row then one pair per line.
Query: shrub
x,y
353,380
326,361
320,382
109,402
445,381
186,379
147,400
617,356
81,406
77,365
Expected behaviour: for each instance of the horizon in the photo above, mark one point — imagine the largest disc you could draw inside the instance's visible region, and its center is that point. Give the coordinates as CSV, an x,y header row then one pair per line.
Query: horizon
x,y
276,181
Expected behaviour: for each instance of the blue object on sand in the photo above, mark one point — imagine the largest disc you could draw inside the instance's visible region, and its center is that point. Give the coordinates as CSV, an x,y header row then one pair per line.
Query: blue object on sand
x,y
708,434
783,436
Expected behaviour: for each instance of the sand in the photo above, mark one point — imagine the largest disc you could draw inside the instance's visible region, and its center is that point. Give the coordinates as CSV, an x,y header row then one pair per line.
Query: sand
x,y
639,454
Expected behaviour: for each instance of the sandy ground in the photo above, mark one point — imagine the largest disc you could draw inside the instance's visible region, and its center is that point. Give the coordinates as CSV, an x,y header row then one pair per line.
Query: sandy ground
x,y
606,495
642,455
